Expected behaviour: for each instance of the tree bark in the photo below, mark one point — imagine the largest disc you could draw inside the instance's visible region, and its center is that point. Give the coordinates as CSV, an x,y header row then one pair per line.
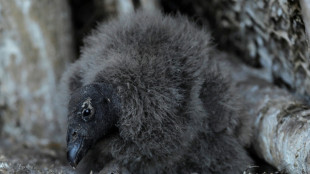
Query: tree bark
x,y
305,6
267,34
35,47
280,120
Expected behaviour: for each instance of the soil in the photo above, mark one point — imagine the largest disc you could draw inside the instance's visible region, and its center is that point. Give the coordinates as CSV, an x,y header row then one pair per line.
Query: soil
x,y
21,158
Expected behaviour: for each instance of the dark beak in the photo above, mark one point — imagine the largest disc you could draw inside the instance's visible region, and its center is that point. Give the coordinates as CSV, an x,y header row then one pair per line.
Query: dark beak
x,y
77,147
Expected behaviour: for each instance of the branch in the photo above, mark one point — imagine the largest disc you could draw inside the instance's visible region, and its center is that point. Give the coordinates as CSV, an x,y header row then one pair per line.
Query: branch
x,y
280,122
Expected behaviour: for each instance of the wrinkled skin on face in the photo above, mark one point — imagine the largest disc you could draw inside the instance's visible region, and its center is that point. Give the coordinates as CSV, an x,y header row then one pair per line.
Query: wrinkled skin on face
x,y
93,114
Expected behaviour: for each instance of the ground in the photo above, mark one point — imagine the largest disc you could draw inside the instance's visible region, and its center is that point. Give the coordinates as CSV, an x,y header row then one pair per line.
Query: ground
x,y
23,158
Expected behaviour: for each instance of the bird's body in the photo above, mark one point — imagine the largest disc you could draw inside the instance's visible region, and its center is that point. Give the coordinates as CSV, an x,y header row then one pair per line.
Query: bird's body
x,y
168,109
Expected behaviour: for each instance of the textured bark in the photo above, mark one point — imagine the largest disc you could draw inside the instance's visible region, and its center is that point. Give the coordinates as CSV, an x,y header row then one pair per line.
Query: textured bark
x,y
271,35
305,6
280,121
35,47
267,34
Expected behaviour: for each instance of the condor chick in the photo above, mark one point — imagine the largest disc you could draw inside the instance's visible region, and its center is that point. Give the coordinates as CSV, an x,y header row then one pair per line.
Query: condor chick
x,y
144,94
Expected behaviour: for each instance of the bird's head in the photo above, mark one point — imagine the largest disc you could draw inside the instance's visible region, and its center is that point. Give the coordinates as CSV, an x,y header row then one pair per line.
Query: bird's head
x,y
93,115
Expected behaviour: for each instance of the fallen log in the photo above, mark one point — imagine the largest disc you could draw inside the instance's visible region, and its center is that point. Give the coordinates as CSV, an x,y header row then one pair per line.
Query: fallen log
x,y
280,120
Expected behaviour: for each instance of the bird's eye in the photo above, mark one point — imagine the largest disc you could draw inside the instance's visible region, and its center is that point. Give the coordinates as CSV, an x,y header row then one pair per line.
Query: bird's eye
x,y
86,112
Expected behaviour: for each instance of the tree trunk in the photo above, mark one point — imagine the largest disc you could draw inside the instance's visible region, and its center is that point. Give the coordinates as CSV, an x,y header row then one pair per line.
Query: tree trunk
x,y
35,47
280,121
305,6
267,34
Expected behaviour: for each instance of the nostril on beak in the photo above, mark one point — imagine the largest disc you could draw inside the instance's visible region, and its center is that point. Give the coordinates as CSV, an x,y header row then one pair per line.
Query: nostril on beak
x,y
74,135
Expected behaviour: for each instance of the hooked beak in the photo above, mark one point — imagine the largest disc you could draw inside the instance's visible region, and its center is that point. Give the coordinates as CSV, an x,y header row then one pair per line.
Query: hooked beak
x,y
77,147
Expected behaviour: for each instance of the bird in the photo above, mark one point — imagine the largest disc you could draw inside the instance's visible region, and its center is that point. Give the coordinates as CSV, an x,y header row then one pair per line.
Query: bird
x,y
145,95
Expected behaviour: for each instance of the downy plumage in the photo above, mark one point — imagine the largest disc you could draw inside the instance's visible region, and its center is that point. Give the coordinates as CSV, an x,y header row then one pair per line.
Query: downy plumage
x,y
145,95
